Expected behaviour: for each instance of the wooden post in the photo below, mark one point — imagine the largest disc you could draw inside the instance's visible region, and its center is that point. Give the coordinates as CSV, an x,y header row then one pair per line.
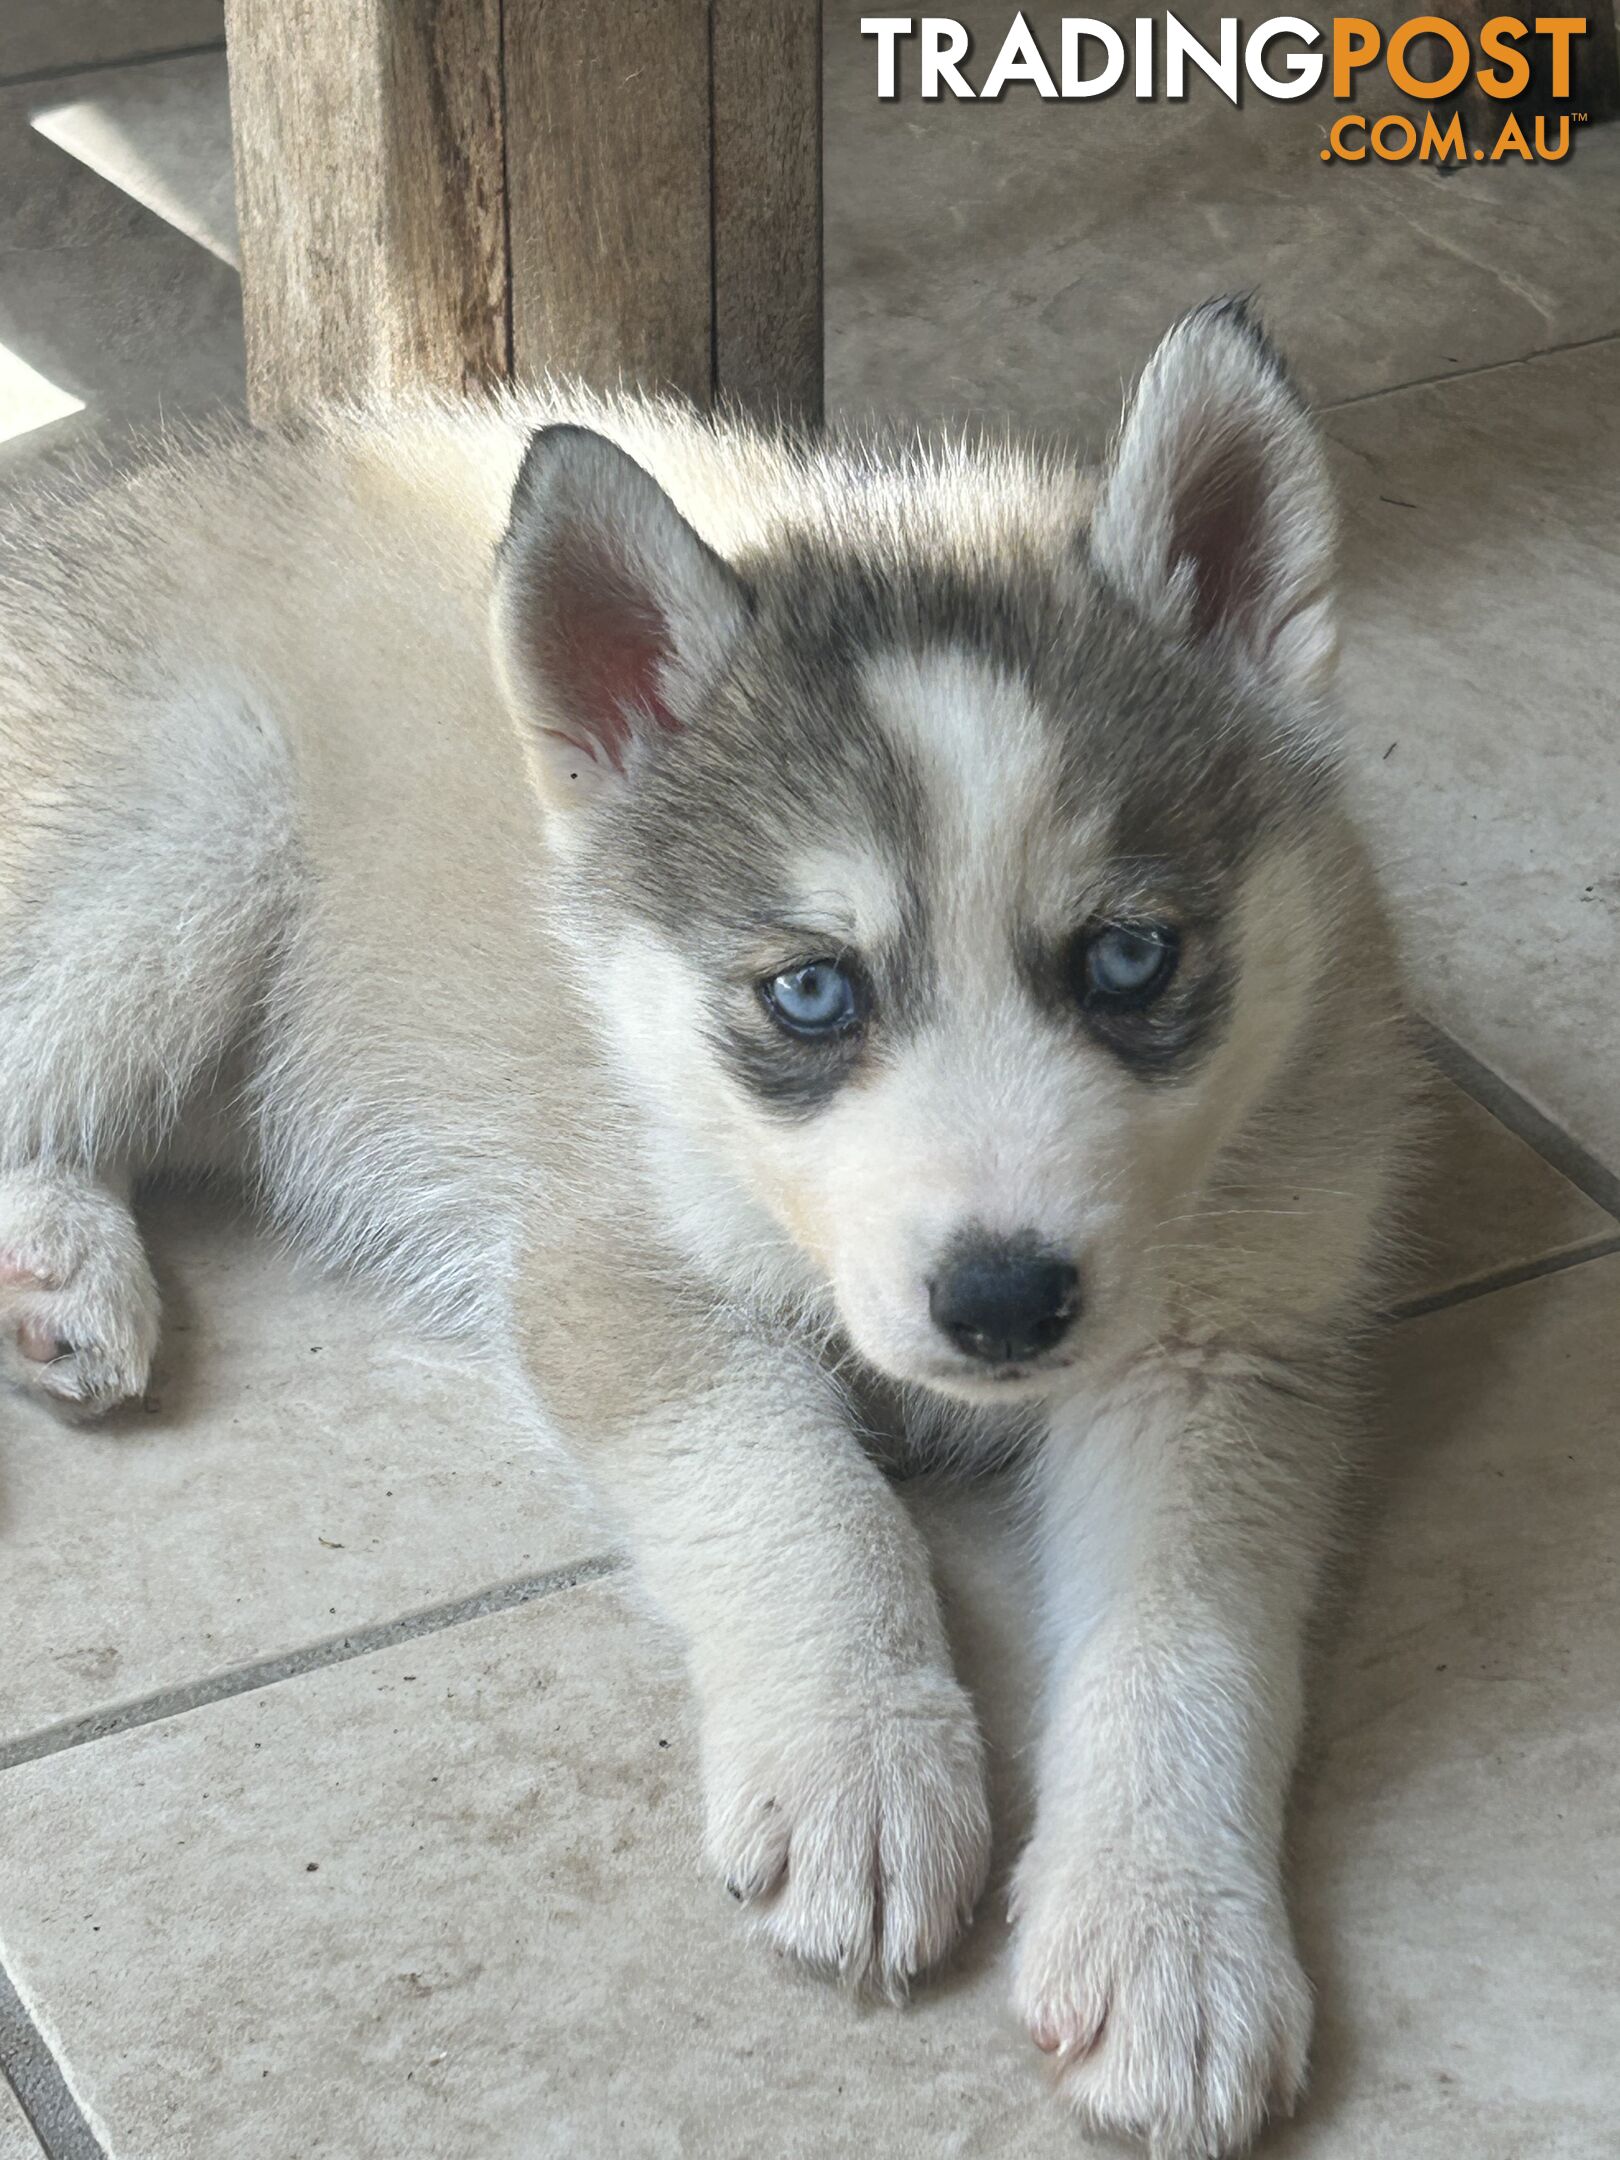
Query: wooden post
x,y
608,164
766,83
371,193
451,192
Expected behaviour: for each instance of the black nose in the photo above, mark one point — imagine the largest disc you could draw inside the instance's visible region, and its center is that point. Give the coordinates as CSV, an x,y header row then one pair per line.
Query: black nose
x,y
1004,1300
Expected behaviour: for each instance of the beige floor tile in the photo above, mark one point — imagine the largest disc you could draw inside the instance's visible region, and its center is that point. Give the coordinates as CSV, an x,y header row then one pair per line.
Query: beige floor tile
x,y
478,1929
17,2141
446,1899
160,134
111,316
1024,256
302,1471
1482,654
1460,1844
38,34
1486,1202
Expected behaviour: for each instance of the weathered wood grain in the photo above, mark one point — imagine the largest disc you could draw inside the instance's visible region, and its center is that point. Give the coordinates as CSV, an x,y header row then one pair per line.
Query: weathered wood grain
x,y
448,192
608,175
768,333
370,185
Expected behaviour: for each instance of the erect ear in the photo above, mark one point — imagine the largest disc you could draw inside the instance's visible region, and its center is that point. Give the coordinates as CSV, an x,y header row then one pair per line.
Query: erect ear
x,y
1216,516
612,618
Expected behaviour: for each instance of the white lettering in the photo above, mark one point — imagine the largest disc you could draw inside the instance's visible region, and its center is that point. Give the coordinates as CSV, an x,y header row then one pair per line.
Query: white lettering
x,y
888,30
1304,68
944,43
1180,46
1019,60
1076,85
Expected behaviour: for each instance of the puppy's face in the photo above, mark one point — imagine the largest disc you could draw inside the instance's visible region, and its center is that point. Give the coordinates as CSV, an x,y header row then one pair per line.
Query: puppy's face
x,y
954,897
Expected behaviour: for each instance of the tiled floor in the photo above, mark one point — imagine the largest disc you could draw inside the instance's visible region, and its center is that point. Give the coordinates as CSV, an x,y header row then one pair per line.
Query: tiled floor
x,y
17,2140
112,314
346,1797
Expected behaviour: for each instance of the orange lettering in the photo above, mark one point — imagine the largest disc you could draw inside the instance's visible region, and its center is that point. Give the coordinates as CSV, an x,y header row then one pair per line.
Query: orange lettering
x,y
1438,145
1561,29
1495,42
1355,45
1428,26
1336,138
1511,138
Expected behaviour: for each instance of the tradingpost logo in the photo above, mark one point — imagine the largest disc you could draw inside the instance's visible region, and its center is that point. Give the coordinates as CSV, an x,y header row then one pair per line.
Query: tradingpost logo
x,y
1426,58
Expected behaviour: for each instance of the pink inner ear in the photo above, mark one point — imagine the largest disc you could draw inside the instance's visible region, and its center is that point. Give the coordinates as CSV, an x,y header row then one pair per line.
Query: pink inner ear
x,y
603,649
1221,531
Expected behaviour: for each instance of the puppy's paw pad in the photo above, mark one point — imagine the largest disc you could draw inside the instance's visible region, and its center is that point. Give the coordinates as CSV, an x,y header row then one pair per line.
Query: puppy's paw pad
x,y
1175,2012
80,1334
859,1837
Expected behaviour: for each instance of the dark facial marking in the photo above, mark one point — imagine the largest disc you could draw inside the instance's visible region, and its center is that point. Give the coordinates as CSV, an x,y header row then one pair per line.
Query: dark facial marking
x,y
796,1071
1158,1037
794,1079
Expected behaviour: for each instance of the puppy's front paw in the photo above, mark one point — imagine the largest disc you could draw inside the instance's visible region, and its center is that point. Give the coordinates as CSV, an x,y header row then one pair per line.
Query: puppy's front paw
x,y
857,1831
78,1309
1171,2000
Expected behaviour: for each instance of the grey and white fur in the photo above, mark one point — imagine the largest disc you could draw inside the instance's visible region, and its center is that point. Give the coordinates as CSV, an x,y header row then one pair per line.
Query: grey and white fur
x,y
465,820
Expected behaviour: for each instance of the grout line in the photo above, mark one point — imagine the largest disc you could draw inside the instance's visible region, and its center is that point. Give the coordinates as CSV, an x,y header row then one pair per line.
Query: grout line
x,y
311,1657
1461,374
1522,1118
1507,1278
102,67
35,2076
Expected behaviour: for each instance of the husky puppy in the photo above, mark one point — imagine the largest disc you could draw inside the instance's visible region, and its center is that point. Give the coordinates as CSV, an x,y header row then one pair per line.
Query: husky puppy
x,y
760,927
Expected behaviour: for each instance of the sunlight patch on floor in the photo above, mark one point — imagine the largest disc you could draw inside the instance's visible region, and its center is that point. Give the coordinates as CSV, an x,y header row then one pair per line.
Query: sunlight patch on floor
x,y
28,399
133,161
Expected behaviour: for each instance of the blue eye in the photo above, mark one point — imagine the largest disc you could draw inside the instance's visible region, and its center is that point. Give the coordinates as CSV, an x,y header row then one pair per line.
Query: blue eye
x,y
1127,965
816,999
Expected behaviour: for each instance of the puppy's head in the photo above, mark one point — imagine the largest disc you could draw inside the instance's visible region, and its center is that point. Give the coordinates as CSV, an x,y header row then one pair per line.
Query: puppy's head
x,y
944,868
